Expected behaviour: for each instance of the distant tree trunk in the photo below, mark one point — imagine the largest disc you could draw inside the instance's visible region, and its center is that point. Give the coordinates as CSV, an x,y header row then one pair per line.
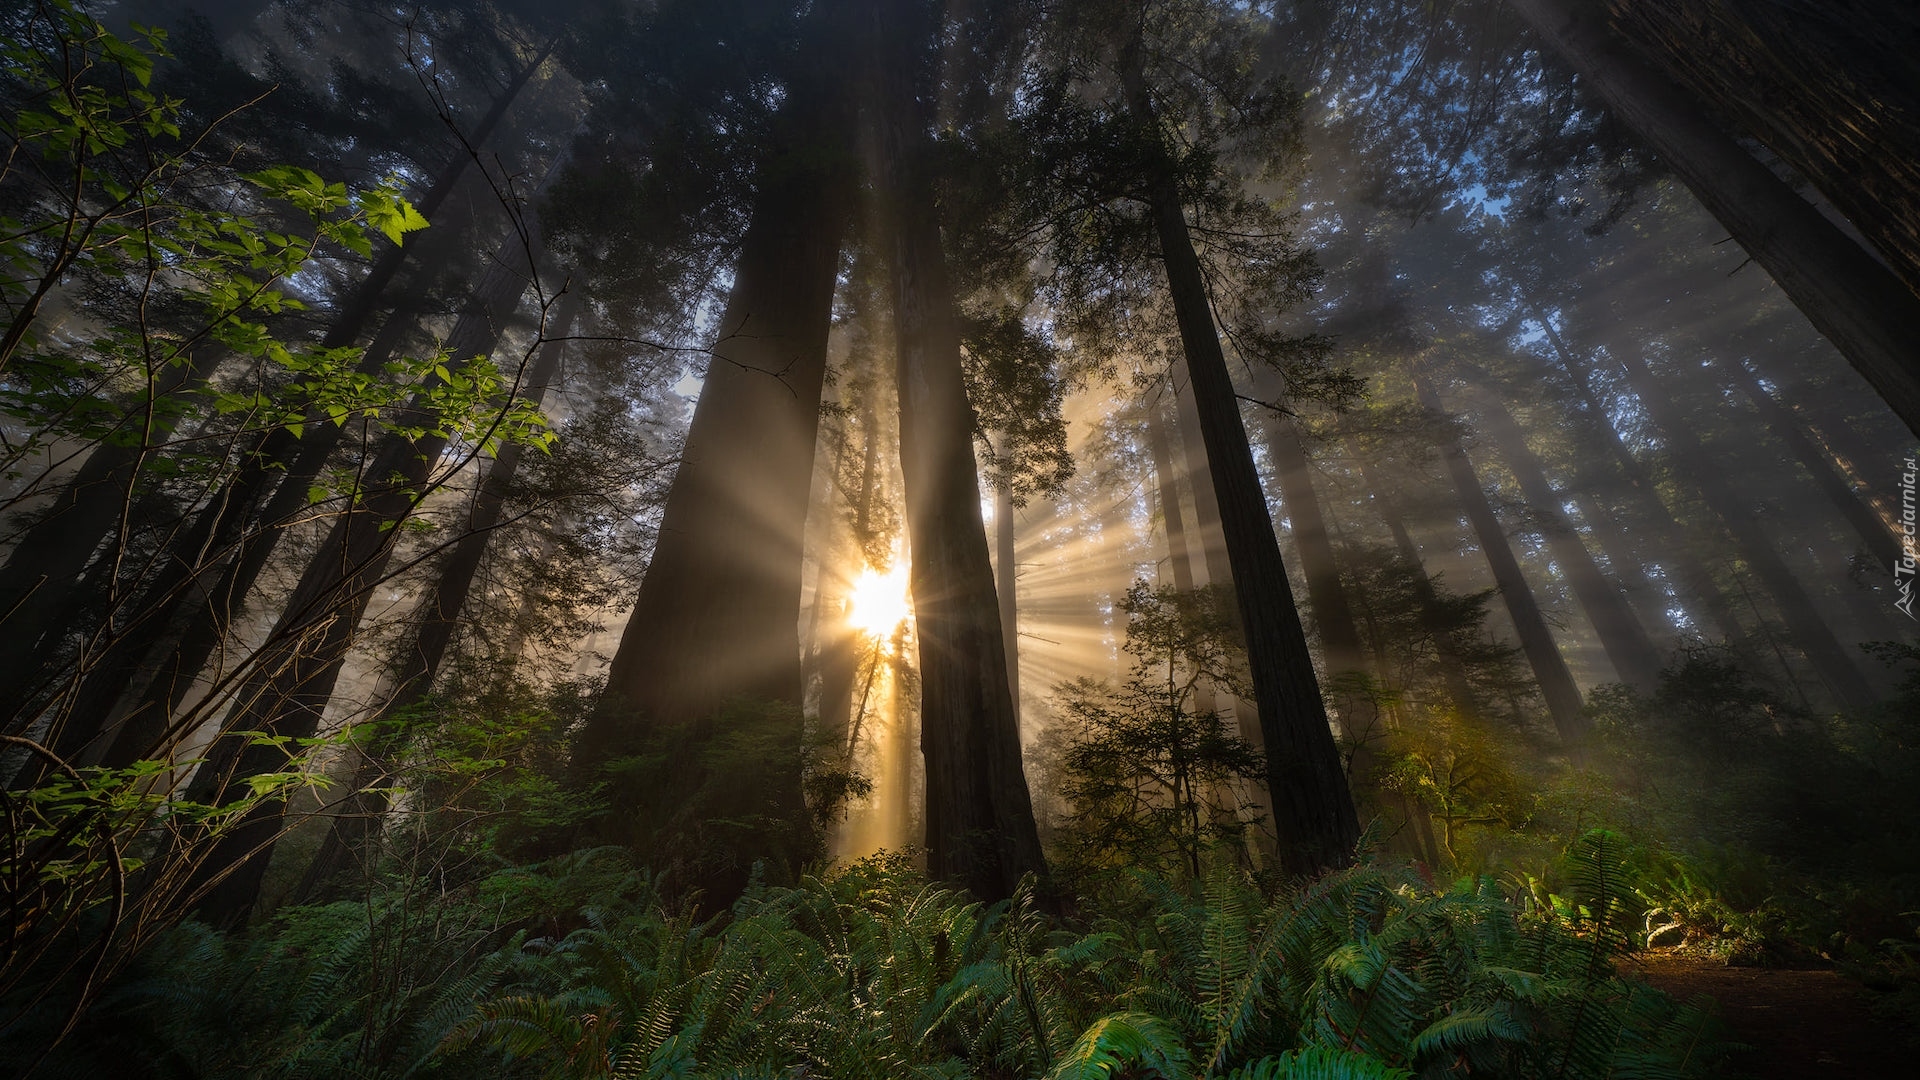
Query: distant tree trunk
x,y
1635,661
1207,537
1452,670
1204,548
895,789
358,818
1167,486
1625,560
295,672
840,660
150,665
1006,577
717,616
38,582
1667,533
1780,419
1327,596
1313,808
1866,311
1536,637
1806,628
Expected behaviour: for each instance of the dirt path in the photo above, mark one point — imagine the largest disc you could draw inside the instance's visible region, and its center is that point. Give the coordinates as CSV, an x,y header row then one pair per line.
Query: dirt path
x,y
1800,1023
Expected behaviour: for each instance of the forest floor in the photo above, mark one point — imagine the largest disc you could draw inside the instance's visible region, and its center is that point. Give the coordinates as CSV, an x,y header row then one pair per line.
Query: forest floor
x,y
1798,1022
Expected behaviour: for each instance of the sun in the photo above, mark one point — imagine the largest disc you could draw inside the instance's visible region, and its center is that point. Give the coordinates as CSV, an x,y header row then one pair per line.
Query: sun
x,y
878,602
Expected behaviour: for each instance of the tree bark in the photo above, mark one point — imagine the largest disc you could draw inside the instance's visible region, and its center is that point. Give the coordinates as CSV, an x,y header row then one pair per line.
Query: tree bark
x,y
1635,661
1860,306
1536,637
980,829
717,616
1313,808
1829,87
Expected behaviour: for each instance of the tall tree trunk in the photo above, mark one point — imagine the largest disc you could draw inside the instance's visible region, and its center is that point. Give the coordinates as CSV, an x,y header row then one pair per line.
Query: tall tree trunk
x,y
295,672
39,581
1006,578
840,662
150,664
1806,628
979,811
1326,595
1859,304
1207,537
1313,808
717,616
1167,486
1871,530
1667,532
1829,87
1635,661
1536,637
358,817
1453,671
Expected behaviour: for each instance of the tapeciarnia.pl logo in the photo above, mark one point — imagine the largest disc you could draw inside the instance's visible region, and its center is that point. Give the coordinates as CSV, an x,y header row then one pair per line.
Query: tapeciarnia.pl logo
x,y
1903,570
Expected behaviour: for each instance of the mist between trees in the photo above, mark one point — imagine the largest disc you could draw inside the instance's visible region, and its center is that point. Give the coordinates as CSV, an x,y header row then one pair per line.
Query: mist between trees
x,y
724,538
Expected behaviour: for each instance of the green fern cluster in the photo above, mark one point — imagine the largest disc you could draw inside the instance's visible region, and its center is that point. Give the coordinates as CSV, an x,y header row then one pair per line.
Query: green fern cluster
x,y
581,969
1372,963
1367,973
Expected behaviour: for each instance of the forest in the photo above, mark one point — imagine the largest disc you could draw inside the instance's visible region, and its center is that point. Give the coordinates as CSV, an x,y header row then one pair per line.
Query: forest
x,y
1196,539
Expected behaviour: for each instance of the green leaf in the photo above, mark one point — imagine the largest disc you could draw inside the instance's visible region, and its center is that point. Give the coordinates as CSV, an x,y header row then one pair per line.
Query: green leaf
x,y
391,214
1122,1039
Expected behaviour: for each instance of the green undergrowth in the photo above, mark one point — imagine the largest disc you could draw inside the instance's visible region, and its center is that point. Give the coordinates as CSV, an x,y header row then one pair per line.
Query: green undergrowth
x,y
581,967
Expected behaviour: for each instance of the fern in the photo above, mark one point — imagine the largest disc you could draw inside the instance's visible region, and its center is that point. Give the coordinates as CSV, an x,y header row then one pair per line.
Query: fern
x,y
1124,1039
1320,1063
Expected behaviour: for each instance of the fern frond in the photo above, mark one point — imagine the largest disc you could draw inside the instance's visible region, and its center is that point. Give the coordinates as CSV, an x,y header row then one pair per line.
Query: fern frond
x,y
1120,1040
1320,1063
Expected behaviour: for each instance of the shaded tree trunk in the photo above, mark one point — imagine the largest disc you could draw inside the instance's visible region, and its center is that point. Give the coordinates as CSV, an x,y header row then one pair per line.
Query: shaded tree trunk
x,y
1536,637
1326,595
735,519
200,584
294,673
1452,670
1167,486
980,829
1806,628
358,817
1693,573
1868,526
39,583
1635,661
1854,300
1829,87
1313,808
